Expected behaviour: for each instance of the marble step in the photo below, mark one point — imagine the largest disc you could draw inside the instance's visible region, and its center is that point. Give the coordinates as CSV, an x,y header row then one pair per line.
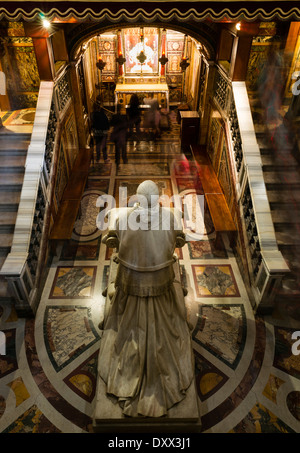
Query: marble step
x,y
8,218
2,259
6,228
285,217
289,292
271,165
9,198
3,288
284,196
8,207
13,152
291,255
14,141
292,186
286,239
5,295
14,135
290,230
282,176
10,164
6,241
11,181
282,181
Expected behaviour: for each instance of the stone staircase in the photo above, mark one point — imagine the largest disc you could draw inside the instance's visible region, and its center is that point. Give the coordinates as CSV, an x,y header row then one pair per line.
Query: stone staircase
x,y
13,151
282,178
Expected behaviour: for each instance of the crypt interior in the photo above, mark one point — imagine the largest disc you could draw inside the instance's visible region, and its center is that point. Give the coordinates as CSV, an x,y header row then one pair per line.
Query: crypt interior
x,y
228,95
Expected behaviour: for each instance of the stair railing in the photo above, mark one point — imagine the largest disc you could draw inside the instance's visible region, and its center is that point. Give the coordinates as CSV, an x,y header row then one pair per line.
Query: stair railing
x,y
24,264
21,263
265,262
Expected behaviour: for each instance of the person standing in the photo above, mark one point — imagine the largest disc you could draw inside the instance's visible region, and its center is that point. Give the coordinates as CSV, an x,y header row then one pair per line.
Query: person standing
x,y
100,127
134,115
152,116
118,135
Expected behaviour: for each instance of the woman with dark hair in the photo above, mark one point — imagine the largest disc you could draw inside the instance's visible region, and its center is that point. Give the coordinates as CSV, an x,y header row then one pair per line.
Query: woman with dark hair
x,y
100,127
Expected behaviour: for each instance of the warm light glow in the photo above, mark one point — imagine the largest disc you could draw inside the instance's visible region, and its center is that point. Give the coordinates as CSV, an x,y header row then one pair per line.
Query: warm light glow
x,y
238,26
46,23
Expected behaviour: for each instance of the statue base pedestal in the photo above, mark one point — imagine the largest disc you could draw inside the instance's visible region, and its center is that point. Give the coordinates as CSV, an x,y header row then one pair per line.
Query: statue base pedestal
x,y
183,417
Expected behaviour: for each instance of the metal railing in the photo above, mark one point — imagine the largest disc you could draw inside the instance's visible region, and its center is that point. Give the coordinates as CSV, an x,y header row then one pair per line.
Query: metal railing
x,y
266,263
23,265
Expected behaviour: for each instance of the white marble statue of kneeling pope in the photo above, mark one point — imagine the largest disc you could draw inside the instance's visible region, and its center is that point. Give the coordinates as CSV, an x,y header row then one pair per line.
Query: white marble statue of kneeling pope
x,y
145,355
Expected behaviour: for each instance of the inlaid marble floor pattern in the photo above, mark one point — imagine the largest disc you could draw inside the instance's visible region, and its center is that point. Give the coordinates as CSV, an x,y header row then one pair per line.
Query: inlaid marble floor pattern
x,y
247,378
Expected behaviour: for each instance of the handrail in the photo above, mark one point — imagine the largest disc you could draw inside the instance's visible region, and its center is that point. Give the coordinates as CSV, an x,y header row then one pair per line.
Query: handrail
x,y
264,259
268,263
15,267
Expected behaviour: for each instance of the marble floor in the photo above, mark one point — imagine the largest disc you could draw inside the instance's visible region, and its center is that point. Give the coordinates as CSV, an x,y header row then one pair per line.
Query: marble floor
x,y
248,380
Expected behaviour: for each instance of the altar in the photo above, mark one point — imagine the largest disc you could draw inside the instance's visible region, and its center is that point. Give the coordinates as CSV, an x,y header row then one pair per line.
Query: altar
x,y
124,91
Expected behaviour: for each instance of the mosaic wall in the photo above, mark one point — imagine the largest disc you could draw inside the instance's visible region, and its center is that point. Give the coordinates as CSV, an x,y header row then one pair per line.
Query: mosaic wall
x,y
19,65
71,139
224,176
261,45
68,152
107,49
215,137
218,153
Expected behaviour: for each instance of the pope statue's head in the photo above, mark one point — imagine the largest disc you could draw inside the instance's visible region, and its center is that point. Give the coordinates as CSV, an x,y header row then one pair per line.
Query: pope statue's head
x,y
148,194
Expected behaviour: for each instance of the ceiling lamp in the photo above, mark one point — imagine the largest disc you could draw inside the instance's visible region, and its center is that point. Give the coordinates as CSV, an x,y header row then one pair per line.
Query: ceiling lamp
x,y
46,23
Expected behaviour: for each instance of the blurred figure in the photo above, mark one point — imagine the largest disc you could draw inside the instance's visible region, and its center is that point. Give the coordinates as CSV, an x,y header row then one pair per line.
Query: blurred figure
x,y
118,135
134,115
100,127
270,86
152,116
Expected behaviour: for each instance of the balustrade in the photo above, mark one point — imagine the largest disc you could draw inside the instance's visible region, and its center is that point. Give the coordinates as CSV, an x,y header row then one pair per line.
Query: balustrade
x,y
221,90
50,140
265,261
23,263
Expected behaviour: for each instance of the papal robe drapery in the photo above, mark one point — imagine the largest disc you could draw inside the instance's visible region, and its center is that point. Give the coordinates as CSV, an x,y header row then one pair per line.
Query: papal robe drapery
x,y
145,355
